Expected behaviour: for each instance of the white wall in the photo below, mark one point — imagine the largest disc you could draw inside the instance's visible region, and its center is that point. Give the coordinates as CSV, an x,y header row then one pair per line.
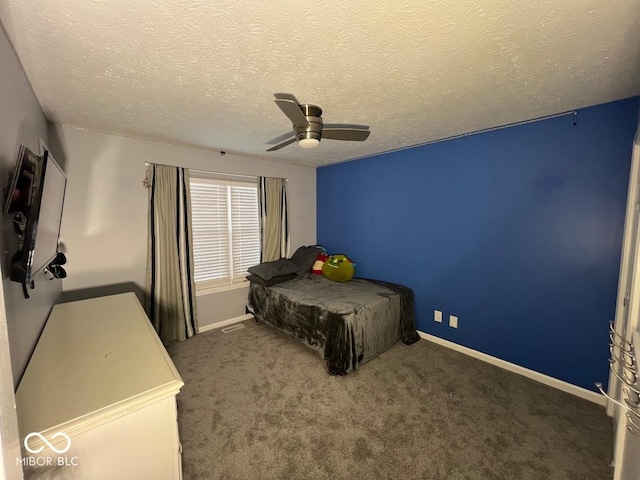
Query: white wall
x,y
104,224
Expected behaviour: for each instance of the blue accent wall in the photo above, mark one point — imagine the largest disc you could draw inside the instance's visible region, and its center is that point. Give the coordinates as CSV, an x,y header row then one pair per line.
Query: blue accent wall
x,y
516,231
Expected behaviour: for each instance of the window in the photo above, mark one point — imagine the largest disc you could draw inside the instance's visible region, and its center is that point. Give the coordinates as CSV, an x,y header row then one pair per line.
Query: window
x,y
226,230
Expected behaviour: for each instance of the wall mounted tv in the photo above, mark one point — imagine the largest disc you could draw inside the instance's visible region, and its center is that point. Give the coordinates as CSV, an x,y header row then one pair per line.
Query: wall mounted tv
x,y
36,198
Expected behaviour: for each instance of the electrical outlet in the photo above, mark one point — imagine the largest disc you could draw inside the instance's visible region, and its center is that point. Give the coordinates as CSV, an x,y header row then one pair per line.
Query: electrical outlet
x,y
453,321
437,316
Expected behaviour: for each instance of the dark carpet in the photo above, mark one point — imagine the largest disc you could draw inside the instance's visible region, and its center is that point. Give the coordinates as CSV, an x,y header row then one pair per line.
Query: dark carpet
x,y
258,404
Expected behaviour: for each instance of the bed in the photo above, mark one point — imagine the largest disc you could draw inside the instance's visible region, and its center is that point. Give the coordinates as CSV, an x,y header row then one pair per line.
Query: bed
x,y
347,323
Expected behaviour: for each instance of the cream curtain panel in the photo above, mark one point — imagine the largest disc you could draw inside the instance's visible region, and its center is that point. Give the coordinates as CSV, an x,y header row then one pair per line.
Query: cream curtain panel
x,y
170,288
274,218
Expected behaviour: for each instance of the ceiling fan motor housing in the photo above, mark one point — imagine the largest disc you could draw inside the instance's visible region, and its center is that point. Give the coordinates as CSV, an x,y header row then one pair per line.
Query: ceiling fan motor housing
x,y
313,113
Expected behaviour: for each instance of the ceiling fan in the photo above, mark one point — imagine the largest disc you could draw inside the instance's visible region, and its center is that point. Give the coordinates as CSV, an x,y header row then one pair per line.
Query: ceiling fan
x,y
308,128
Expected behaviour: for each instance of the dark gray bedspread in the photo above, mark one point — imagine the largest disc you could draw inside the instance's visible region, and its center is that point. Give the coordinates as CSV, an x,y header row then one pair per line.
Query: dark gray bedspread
x,y
348,323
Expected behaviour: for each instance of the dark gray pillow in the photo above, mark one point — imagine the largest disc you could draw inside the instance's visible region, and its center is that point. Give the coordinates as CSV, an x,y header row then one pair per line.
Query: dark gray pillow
x,y
305,257
273,281
268,270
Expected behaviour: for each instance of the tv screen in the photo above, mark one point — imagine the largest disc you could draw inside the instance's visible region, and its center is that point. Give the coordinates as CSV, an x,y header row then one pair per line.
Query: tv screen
x,y
22,187
42,228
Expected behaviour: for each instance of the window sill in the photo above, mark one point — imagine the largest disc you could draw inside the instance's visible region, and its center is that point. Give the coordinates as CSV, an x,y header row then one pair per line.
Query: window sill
x,y
221,288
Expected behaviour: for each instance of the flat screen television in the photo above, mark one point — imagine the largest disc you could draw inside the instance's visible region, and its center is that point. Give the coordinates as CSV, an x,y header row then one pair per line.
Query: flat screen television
x,y
37,201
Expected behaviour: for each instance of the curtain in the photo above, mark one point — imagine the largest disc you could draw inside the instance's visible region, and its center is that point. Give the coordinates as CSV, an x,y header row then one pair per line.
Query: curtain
x,y
274,218
170,288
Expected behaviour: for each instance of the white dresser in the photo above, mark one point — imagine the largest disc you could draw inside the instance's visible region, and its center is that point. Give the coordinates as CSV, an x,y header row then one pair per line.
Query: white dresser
x,y
100,376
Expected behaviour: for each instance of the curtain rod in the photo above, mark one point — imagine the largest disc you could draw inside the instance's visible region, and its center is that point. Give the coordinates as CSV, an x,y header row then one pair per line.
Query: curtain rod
x,y
514,124
147,164
462,135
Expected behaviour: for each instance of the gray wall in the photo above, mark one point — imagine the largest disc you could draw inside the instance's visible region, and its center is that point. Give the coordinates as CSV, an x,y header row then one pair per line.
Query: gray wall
x,y
21,121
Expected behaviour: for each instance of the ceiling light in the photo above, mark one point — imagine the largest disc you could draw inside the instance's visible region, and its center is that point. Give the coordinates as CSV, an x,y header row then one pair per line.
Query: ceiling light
x,y
307,143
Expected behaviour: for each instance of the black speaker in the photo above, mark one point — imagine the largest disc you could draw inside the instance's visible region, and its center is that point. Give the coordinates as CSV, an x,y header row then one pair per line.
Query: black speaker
x,y
57,271
60,259
55,267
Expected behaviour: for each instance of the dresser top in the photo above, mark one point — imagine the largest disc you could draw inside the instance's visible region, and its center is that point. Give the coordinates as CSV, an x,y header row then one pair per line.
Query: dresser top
x,y
96,359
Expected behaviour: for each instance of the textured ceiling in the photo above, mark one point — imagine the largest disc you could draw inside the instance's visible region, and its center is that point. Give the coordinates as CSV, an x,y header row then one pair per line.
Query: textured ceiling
x,y
204,72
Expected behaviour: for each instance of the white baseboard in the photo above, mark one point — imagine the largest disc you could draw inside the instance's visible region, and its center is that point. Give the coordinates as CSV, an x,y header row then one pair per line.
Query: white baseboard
x,y
224,323
512,367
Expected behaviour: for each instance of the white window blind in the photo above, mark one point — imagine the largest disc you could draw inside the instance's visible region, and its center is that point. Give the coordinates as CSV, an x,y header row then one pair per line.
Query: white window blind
x,y
226,230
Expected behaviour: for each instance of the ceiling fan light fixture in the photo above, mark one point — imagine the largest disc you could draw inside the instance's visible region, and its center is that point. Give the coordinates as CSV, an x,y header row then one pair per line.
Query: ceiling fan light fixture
x,y
308,143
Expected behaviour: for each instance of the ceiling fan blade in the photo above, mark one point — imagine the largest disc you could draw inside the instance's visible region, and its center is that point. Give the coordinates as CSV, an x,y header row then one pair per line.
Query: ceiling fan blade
x,y
281,138
286,96
342,133
292,110
283,144
346,125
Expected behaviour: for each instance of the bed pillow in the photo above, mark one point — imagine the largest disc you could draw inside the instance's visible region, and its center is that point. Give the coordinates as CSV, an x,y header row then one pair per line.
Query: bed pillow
x,y
316,269
305,257
268,270
273,281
